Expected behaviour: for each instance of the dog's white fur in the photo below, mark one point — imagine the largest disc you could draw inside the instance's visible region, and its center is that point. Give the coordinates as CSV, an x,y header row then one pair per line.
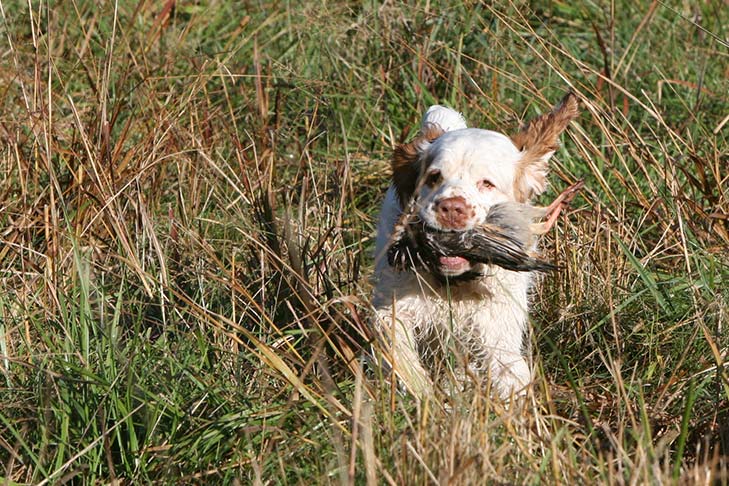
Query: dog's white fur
x,y
485,319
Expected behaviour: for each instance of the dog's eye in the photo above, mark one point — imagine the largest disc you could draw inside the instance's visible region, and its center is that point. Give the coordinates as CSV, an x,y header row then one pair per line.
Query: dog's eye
x,y
432,178
485,185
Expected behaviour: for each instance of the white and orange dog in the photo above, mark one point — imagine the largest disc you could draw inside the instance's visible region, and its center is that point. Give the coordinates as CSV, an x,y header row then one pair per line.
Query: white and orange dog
x,y
455,174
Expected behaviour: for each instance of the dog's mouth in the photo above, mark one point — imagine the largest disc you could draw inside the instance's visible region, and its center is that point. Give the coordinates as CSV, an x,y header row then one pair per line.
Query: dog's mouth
x,y
448,265
412,248
453,265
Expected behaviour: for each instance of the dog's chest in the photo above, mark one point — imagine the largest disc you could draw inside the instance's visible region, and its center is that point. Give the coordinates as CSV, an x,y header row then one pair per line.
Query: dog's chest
x,y
499,298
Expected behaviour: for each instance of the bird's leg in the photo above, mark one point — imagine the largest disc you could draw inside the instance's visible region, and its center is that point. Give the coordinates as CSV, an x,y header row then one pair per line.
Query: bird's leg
x,y
561,202
555,208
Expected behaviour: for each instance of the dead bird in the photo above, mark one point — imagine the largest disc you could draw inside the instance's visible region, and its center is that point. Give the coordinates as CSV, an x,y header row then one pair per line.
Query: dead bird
x,y
506,238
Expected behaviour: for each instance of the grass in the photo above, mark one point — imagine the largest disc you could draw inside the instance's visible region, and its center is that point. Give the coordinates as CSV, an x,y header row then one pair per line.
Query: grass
x,y
187,208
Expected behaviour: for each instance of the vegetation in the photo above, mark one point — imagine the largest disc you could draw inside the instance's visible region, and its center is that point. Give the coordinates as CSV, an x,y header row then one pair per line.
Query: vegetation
x,y
187,209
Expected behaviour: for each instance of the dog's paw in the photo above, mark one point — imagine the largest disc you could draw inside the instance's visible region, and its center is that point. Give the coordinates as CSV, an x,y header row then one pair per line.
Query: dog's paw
x,y
512,379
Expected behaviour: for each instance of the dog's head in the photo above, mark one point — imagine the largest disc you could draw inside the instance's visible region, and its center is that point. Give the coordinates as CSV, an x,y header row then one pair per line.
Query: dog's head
x,y
456,174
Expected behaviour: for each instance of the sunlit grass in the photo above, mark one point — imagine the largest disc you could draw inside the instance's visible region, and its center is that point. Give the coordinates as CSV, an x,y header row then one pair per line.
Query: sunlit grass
x,y
187,208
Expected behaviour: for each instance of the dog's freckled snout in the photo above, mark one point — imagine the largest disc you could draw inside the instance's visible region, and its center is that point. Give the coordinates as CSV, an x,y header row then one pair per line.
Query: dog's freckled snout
x,y
453,212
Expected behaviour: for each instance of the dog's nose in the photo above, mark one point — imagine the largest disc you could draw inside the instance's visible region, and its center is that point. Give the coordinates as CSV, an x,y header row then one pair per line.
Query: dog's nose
x,y
453,212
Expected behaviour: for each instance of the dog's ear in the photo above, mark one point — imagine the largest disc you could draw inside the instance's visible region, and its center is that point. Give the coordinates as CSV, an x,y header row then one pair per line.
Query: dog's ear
x,y
538,140
407,161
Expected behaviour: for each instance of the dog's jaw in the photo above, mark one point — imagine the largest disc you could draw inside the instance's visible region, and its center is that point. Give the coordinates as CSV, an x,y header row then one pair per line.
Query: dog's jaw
x,y
453,266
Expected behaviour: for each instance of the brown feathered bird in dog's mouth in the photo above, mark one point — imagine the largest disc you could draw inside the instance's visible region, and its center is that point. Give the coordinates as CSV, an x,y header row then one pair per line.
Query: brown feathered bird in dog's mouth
x,y
505,238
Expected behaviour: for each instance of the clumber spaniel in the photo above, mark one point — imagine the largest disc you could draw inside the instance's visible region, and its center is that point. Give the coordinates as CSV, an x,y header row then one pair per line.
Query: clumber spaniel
x,y
452,175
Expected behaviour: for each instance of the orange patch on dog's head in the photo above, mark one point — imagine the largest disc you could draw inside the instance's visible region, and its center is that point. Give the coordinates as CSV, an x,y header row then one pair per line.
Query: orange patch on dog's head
x,y
407,162
538,140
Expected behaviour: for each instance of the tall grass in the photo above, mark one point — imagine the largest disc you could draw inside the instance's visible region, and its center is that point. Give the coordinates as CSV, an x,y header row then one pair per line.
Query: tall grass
x,y
187,207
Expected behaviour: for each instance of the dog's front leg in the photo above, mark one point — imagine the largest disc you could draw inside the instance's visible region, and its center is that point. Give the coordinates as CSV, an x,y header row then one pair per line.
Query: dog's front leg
x,y
496,351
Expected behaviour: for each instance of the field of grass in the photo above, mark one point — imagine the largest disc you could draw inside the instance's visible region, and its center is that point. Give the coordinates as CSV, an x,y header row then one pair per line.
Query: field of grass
x,y
188,195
